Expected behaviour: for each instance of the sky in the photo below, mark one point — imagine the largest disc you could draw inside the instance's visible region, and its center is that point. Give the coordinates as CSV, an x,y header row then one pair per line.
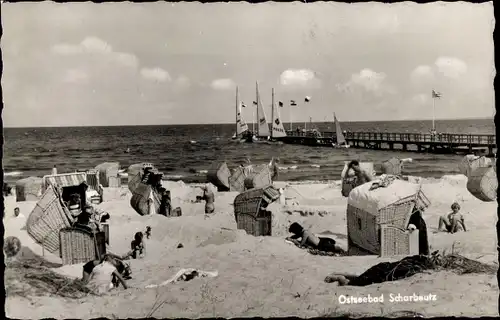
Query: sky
x,y
86,64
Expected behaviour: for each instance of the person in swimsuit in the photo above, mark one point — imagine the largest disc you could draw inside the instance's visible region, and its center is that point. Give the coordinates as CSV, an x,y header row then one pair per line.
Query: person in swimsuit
x,y
453,221
361,176
209,198
310,239
74,204
102,275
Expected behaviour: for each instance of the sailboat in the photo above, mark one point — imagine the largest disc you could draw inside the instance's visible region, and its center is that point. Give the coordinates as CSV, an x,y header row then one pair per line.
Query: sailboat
x,y
341,142
262,125
241,125
277,130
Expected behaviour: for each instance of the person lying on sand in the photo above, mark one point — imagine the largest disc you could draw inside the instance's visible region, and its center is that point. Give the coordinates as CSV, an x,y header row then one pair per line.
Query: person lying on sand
x,y
454,221
310,239
102,275
209,198
362,177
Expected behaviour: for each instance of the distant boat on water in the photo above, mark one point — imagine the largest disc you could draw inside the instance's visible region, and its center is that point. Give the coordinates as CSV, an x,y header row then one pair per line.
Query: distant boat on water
x,y
263,134
341,141
241,125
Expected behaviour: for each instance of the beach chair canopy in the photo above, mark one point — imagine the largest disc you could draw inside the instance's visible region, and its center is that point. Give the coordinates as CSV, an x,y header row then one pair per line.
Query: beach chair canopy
x,y
256,197
372,201
64,180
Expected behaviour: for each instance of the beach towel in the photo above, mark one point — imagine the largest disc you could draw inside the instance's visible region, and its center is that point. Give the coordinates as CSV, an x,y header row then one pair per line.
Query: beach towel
x,y
186,275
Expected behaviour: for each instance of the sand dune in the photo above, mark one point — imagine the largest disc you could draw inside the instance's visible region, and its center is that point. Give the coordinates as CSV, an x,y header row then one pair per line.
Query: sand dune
x,y
265,276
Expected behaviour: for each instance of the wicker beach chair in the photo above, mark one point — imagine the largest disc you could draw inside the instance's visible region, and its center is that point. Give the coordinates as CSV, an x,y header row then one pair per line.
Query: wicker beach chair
x,y
93,181
260,177
218,174
370,211
29,189
237,180
107,170
250,213
78,245
141,197
47,218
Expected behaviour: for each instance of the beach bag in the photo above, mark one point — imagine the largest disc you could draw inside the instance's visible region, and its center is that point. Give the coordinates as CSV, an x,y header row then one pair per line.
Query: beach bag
x,y
483,184
471,162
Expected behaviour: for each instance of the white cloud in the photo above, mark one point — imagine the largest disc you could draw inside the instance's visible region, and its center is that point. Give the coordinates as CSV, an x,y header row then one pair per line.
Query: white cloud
x,y
369,80
422,72
94,45
223,84
156,74
451,67
75,76
182,82
297,77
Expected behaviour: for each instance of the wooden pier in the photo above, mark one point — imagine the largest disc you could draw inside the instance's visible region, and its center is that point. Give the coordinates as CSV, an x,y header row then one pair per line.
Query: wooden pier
x,y
418,142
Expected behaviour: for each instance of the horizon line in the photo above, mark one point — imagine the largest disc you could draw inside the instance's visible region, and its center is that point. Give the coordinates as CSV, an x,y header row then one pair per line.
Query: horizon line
x,y
230,123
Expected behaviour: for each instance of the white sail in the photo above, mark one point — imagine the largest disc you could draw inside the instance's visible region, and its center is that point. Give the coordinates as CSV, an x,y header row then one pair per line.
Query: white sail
x,y
278,131
263,126
242,126
338,131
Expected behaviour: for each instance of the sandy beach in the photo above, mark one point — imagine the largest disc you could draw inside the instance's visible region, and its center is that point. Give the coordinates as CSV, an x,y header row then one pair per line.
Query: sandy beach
x,y
265,276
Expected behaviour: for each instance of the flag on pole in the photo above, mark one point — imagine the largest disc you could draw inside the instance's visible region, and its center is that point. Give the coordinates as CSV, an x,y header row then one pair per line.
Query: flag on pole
x,y
307,99
255,102
436,94
243,105
280,103
293,103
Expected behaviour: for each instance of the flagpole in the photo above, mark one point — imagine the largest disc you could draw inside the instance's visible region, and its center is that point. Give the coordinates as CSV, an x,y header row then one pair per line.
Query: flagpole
x,y
272,113
237,124
291,121
433,113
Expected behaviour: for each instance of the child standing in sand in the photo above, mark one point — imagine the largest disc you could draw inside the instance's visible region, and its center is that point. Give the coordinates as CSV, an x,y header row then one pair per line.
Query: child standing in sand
x,y
209,198
310,239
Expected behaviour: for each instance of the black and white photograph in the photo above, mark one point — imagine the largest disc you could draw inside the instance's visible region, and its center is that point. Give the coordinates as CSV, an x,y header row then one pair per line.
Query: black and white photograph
x,y
238,159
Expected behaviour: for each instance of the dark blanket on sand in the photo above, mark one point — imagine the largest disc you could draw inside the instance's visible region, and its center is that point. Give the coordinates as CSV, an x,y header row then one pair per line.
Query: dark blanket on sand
x,y
391,271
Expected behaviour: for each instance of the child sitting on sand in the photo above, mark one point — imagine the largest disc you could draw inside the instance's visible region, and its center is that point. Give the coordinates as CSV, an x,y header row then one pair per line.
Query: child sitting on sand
x,y
310,239
454,221
137,246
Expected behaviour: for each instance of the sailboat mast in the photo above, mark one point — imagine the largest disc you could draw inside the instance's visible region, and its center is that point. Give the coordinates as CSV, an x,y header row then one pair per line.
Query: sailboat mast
x,y
272,113
237,111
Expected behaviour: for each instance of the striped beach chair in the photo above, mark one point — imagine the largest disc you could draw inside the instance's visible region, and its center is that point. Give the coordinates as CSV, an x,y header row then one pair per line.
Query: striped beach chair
x,y
93,182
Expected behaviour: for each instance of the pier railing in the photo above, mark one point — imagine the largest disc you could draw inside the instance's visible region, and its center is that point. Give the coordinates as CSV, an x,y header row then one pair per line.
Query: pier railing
x,y
478,139
464,139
